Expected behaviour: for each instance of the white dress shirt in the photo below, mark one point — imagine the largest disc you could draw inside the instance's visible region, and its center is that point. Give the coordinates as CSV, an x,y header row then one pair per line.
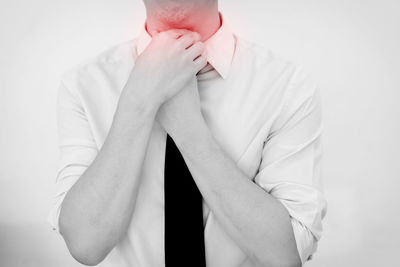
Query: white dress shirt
x,y
262,110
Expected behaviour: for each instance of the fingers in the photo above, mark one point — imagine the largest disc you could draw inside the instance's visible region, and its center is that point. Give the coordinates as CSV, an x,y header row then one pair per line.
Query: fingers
x,y
176,33
184,38
200,62
198,54
190,41
187,40
196,50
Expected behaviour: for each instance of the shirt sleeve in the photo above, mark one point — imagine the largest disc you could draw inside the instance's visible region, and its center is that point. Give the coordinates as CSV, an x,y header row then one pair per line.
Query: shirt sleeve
x,y
290,168
77,148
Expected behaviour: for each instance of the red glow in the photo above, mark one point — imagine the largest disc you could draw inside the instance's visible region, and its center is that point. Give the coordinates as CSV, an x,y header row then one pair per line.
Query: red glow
x,y
189,16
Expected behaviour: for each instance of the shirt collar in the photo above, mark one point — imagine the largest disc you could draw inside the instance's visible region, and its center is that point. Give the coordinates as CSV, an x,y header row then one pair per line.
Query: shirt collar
x,y
220,47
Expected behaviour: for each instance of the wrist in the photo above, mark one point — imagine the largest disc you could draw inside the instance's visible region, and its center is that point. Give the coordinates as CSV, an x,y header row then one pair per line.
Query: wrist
x,y
142,92
194,136
139,101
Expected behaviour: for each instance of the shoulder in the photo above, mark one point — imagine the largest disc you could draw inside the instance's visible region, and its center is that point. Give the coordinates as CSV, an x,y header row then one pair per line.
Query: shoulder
x,y
294,78
262,56
92,68
296,92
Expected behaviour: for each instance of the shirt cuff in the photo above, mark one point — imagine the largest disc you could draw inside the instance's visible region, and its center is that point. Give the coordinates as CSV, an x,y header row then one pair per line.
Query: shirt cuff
x,y
66,178
305,241
307,207
54,215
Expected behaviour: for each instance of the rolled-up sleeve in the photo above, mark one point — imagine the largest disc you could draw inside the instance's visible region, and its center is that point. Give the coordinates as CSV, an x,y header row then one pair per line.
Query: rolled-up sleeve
x,y
290,168
77,148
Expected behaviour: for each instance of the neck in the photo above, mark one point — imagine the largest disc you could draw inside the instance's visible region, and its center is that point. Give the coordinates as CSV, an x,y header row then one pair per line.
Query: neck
x,y
203,21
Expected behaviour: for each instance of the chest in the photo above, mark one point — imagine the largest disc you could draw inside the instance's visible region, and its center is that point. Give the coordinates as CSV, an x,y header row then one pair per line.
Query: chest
x,y
239,113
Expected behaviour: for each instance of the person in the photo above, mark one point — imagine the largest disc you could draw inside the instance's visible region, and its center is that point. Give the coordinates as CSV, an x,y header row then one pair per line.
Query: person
x,y
247,123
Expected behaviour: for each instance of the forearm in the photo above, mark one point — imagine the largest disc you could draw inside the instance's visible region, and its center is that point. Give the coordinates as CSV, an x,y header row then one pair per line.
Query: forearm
x,y
97,209
253,218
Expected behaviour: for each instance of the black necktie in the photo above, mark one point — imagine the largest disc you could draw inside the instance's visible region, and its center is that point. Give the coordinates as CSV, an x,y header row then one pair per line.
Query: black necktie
x,y
184,231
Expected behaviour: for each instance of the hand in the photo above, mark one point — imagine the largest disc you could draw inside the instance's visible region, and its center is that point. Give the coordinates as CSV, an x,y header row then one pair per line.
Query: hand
x,y
166,66
181,112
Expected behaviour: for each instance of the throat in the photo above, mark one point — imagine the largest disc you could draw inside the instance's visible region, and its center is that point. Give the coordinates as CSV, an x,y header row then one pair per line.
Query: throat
x,y
200,21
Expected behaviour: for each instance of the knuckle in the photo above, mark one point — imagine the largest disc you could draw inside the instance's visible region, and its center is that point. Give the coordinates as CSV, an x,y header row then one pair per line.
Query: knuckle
x,y
200,46
178,45
183,41
188,58
178,32
202,49
203,59
189,37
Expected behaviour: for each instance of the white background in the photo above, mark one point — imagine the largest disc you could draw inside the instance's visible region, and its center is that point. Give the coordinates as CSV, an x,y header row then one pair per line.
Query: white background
x,y
350,47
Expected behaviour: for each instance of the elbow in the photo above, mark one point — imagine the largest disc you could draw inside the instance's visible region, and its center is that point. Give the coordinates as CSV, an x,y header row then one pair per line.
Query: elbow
x,y
87,257
287,259
86,252
290,262
291,259
296,262
279,263
85,247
